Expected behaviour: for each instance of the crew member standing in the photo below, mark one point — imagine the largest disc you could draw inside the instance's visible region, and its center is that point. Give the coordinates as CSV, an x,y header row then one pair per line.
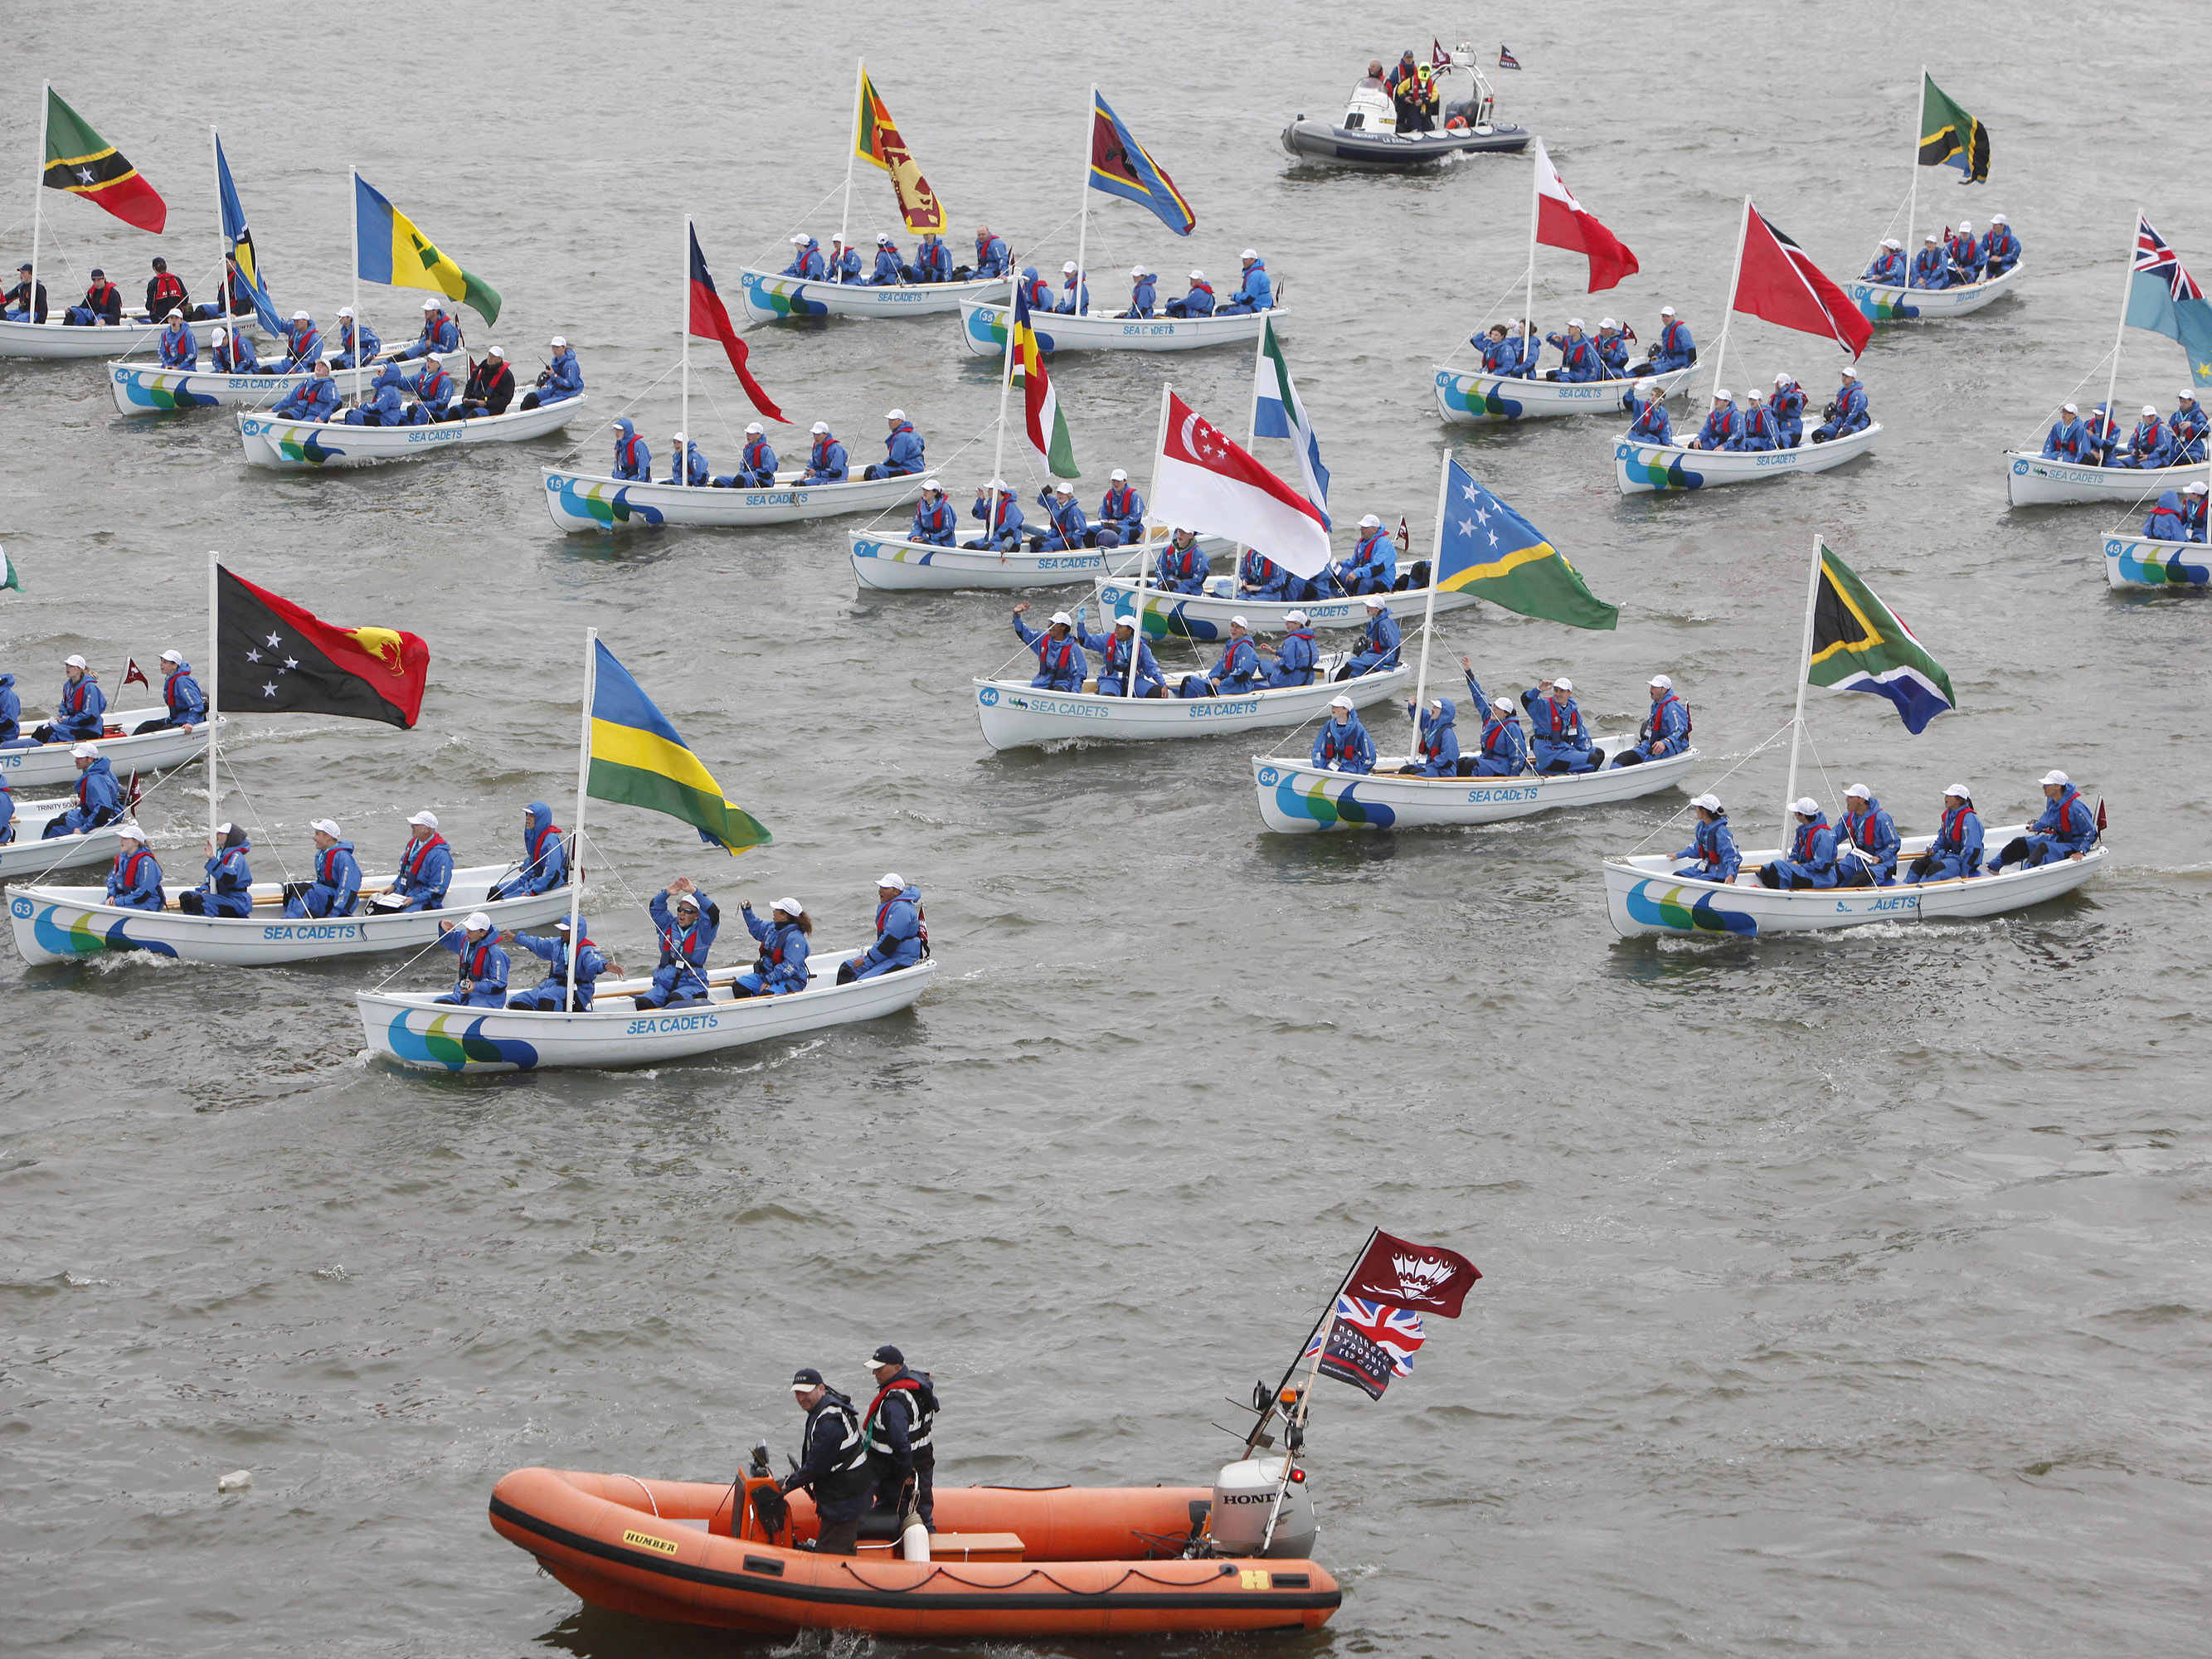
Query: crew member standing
x,y
896,1432
835,1463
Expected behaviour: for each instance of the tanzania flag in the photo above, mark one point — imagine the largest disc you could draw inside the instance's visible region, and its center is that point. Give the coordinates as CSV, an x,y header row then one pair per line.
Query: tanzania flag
x,y
1119,166
1948,134
241,245
395,254
1859,644
876,138
638,759
82,162
710,320
1048,427
1490,550
271,656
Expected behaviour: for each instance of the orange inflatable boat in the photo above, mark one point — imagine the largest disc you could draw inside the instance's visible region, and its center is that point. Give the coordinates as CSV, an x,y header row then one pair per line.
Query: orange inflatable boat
x,y
1008,1561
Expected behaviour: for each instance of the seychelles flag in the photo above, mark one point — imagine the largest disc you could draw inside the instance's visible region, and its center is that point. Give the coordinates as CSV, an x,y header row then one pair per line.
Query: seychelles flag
x,y
710,320
1859,644
1047,426
637,758
1121,167
82,162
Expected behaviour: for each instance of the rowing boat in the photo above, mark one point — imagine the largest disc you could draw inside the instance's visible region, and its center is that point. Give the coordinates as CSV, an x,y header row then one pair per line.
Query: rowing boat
x,y
894,564
984,323
146,388
52,763
54,338
1297,798
292,446
1015,714
1645,469
2137,561
1892,303
770,297
2033,480
596,501
413,1030
30,854
1476,399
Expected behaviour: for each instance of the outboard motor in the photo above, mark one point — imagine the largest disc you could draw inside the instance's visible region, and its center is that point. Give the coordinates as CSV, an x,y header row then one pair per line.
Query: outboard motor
x,y
1244,1496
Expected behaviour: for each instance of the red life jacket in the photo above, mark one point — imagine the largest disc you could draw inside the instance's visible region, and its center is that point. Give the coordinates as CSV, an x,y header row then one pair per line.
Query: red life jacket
x,y
1494,736
73,696
1659,708
410,861
921,923
1114,652
1367,551
997,519
1951,837
1183,560
1555,716
99,293
436,387
629,452
326,865
1432,741
1119,503
1855,827
1330,748
1800,844
432,323
473,957
1202,288
1037,293
167,287
538,843
755,458
127,868
679,942
1667,343
820,459
1044,650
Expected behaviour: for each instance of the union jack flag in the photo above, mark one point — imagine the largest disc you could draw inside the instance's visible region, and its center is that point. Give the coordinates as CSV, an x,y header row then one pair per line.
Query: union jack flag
x,y
2154,258
1368,1343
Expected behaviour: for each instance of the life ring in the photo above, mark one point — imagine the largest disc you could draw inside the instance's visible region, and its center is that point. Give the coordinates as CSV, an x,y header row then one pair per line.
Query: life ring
x,y
1457,123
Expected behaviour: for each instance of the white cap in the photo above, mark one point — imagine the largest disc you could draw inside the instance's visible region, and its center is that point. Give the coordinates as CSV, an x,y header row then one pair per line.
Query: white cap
x,y
558,343
1709,800
330,826
1959,790
1238,622
1197,276
1931,237
930,482
1564,684
792,906
323,361
2150,409
1574,322
1068,270
752,426
170,656
1782,379
1806,805
2058,778
1065,488
680,438
890,415
1062,616
496,351
1721,395
428,820
691,899
129,830
2186,395
1753,394
561,924
996,484
1249,253
1501,705
1892,241
1295,618
1369,521
477,919
1965,225
1857,792
84,751
2069,409
74,661
882,238
1849,374
1117,476
429,305
1126,619
1666,311
1376,602
1339,700
302,317
798,239
219,335
890,878
1436,705
1996,218
1607,322
345,311
1647,384
1662,682
1136,270
2196,488
819,427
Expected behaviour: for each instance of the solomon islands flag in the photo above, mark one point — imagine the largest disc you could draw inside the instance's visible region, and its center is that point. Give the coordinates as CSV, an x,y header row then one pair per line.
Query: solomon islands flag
x,y
82,162
1859,644
637,758
1120,165
1487,549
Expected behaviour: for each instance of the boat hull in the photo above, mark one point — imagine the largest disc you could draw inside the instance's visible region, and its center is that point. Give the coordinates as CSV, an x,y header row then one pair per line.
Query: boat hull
x,y
1322,141
1886,302
1013,716
1297,799
67,924
149,389
770,298
411,1030
661,1549
50,762
1641,470
595,502
2032,480
1478,399
1205,618
984,329
1643,896
891,564
2139,563
56,339
30,856
289,445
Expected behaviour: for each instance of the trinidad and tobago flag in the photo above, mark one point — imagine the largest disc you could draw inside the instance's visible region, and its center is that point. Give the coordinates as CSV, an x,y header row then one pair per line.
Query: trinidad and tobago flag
x,y
710,320
1779,284
82,162
271,656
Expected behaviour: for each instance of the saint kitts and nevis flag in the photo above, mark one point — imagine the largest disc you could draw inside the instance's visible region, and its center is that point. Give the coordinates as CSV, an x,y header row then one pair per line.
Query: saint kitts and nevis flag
x,y
1487,549
710,320
274,657
82,162
1950,136
2164,298
1859,644
638,759
1376,1324
393,252
876,139
1040,414
1562,223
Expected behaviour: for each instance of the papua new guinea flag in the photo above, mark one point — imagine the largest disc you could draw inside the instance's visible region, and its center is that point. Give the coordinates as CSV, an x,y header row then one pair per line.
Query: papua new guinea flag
x,y
272,657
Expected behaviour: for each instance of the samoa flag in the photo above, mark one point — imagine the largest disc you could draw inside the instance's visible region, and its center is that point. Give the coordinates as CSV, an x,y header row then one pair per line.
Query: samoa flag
x,y
710,320
1122,166
1368,1343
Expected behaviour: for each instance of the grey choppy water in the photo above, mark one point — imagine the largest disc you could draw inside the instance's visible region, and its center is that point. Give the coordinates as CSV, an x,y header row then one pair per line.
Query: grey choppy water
x,y
1843,1294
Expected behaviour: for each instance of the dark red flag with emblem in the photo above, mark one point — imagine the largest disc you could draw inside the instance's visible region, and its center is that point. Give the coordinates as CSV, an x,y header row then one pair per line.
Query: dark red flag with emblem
x,y
272,657
1423,1277
710,320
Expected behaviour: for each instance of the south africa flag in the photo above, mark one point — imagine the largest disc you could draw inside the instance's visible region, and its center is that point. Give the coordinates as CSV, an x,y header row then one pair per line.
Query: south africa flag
x,y
82,162
1859,644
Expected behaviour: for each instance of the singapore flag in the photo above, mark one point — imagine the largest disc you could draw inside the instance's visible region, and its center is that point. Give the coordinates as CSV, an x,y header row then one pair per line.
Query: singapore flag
x,y
1209,484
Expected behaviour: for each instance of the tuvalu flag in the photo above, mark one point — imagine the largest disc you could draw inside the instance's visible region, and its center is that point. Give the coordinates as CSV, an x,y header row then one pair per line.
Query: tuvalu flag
x,y
710,320
637,758
1948,136
1120,165
1487,549
2165,299
876,139
273,657
82,162
1780,284
393,252
1859,644
1041,417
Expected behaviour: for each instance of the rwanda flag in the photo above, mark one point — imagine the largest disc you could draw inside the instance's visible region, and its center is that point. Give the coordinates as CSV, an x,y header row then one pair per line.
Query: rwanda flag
x,y
395,254
1119,166
82,162
241,245
1950,135
1490,550
1859,644
638,759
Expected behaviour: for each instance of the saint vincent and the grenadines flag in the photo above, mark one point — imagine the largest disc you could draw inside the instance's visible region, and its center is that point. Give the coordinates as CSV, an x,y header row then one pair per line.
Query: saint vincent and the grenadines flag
x,y
82,162
1950,136
274,657
638,759
876,139
1041,414
1859,644
1122,166
395,254
1487,549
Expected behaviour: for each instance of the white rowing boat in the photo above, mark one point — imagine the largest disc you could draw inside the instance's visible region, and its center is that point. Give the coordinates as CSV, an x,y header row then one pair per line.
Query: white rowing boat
x,y
1644,896
54,338
30,855
770,297
2137,561
894,564
1297,798
2036,481
62,924
1206,616
290,446
50,762
984,323
1644,469
1014,714
1891,302
595,502
1477,399
411,1029
146,388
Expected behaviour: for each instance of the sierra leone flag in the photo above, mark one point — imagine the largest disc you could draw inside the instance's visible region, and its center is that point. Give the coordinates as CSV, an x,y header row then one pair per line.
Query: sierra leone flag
x,y
1277,413
1859,644
1048,427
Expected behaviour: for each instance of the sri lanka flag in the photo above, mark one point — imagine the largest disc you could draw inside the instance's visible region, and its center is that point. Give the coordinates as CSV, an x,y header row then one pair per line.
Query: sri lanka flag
x,y
82,162
876,139
710,320
1047,426
395,254
637,758
1121,167
1859,644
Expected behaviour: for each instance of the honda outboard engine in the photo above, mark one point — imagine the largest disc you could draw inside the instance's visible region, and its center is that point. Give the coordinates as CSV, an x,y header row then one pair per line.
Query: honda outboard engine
x,y
1244,1497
